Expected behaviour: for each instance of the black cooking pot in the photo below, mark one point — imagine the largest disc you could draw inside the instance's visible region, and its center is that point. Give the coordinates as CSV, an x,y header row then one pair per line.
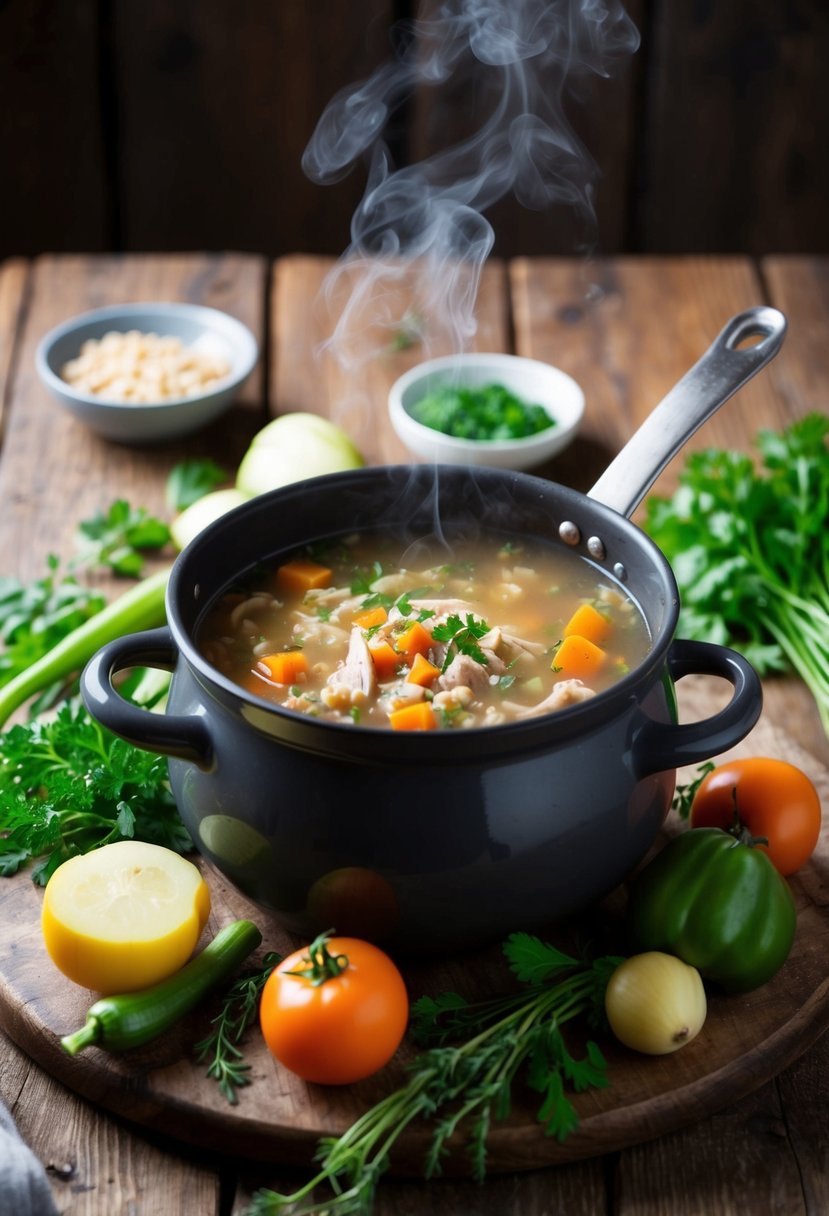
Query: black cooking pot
x,y
442,839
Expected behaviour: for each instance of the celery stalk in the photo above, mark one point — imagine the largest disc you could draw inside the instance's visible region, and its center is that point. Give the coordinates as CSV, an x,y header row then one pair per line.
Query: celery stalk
x,y
142,607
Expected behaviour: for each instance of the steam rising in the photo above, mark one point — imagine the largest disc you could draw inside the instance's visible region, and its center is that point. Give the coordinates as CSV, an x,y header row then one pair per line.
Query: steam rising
x,y
425,222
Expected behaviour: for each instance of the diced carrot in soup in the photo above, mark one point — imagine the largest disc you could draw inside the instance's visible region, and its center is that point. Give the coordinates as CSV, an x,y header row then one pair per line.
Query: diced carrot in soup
x,y
423,672
414,717
371,617
578,658
285,667
588,622
301,575
413,641
386,660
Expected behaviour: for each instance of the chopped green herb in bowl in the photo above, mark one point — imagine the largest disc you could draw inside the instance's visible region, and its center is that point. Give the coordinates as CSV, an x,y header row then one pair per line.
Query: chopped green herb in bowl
x,y
494,409
485,413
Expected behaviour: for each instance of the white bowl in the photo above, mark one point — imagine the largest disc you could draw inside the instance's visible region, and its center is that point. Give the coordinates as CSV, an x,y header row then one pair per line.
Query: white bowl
x,y
206,329
533,382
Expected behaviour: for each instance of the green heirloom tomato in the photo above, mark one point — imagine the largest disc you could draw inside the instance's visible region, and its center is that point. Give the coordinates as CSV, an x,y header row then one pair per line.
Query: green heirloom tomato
x,y
719,905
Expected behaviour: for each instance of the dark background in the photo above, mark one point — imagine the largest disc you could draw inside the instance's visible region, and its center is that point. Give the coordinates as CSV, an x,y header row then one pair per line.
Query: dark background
x,y
152,125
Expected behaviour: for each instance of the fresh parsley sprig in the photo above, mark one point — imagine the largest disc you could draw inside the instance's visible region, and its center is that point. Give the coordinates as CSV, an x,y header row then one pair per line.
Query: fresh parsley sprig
x,y
462,636
684,794
119,537
465,1086
240,1007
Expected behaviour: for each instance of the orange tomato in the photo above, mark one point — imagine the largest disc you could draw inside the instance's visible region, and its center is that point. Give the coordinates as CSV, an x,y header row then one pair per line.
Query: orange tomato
x,y
334,1012
772,798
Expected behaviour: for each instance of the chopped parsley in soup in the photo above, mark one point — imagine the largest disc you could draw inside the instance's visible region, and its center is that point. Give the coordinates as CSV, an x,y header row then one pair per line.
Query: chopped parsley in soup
x,y
350,632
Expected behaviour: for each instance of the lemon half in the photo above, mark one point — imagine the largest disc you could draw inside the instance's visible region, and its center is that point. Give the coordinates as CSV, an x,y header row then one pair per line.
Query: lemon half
x,y
125,916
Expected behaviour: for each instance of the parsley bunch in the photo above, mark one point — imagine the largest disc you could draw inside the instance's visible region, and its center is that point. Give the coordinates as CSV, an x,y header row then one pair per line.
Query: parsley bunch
x,y
750,550
68,785
466,1086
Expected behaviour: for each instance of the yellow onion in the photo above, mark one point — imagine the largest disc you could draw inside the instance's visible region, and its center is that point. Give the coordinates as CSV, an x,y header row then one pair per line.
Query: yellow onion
x,y
655,1003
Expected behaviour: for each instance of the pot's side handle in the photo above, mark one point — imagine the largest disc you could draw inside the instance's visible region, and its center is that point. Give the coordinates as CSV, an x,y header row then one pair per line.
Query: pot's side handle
x,y
173,735
660,746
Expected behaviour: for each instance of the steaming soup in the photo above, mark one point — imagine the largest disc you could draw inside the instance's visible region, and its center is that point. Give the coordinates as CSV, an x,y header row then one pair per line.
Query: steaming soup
x,y
352,632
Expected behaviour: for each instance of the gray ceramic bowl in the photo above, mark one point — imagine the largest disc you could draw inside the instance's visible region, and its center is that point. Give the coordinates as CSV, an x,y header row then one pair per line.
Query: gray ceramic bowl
x,y
205,329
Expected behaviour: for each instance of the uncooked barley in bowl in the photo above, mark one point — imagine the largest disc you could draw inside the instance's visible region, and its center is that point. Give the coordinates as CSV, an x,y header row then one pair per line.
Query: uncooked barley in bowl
x,y
134,367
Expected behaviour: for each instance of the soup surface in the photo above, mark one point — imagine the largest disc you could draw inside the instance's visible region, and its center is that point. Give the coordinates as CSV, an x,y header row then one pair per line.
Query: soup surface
x,y
364,631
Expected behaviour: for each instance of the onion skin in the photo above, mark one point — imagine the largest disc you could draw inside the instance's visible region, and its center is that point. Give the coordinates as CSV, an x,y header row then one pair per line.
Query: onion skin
x,y
655,1003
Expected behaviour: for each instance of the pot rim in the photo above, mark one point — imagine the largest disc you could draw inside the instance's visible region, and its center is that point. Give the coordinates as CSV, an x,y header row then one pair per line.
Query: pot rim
x,y
324,736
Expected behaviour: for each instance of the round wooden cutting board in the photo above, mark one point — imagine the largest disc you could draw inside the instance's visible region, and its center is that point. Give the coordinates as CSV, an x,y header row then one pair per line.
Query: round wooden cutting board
x,y
746,1040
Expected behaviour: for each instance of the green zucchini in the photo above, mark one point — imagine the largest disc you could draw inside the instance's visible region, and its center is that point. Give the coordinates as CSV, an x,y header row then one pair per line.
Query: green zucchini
x,y
134,1018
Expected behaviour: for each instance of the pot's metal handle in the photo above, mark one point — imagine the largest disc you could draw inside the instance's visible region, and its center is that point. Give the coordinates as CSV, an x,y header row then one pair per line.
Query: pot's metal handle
x,y
658,746
172,735
723,369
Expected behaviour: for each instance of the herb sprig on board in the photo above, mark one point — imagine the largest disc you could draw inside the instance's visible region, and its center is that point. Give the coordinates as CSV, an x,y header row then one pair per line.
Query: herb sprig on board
x,y
240,1008
750,550
464,1086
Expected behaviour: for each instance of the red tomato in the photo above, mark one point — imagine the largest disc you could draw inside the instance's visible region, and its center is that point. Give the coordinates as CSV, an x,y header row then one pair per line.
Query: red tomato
x,y
773,799
342,1027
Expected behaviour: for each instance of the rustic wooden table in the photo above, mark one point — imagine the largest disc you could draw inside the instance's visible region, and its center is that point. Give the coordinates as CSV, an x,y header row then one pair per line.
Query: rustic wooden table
x,y
626,329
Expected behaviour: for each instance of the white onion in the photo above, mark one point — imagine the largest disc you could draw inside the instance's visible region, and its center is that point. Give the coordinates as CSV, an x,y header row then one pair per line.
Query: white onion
x,y
655,1003
292,448
204,511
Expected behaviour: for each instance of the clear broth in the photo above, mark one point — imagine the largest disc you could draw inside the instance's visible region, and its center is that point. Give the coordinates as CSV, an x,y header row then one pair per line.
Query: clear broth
x,y
490,629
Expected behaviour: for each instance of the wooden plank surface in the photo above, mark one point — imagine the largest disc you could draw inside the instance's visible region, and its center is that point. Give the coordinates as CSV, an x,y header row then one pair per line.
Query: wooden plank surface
x,y
784,1123
94,1165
